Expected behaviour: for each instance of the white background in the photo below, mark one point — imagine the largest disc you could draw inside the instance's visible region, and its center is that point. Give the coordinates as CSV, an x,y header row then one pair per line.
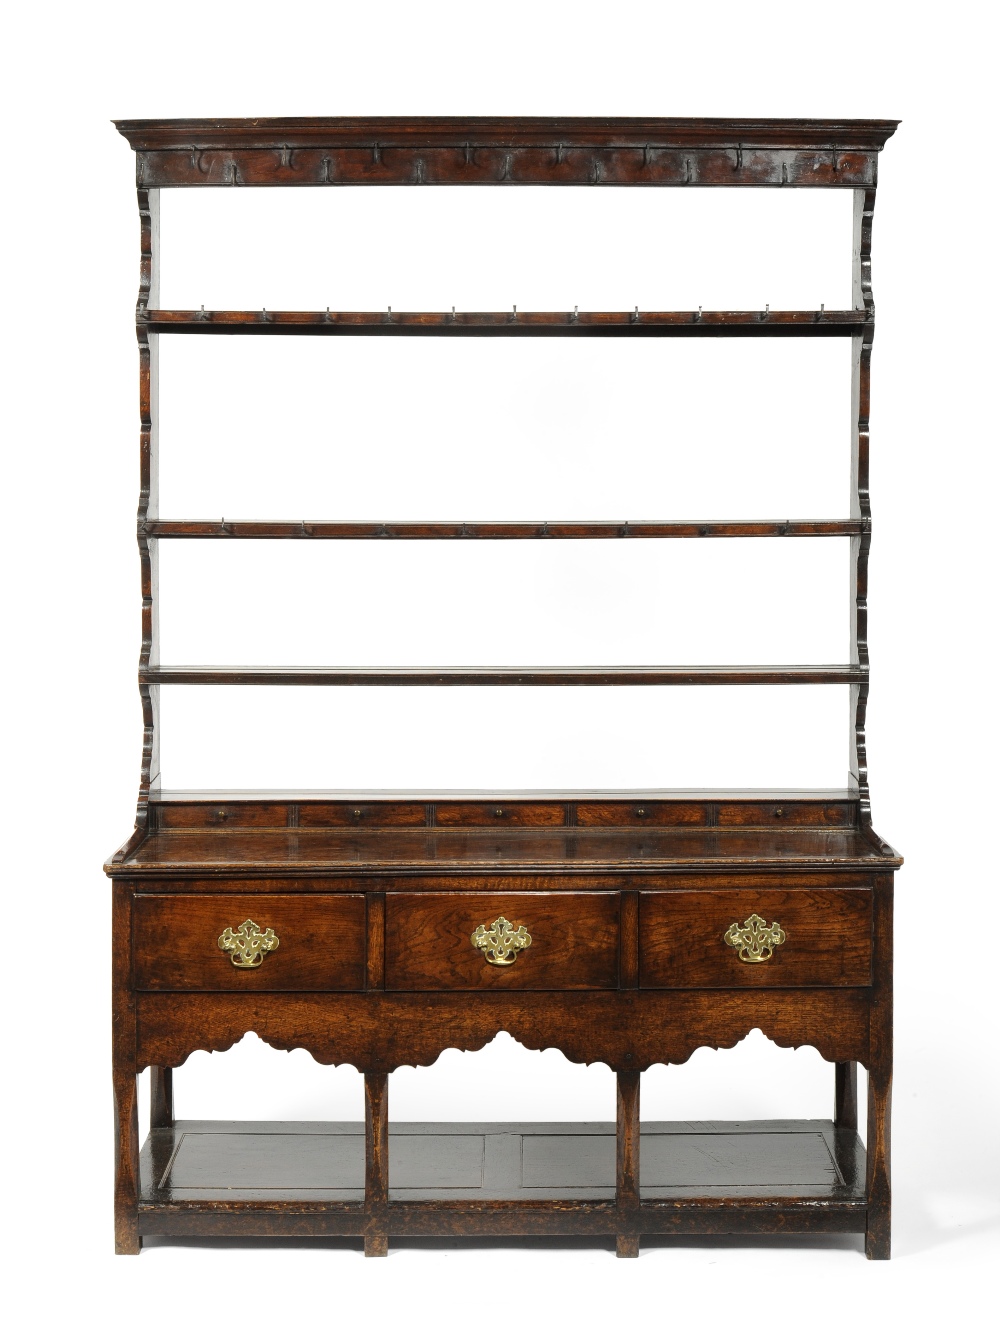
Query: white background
x,y
71,606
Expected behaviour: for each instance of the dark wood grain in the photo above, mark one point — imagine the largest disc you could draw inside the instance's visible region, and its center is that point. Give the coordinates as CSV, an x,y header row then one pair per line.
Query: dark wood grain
x,y
124,1070
283,132
525,323
845,1095
188,529
559,850
627,1166
321,943
861,353
787,812
642,812
878,1183
501,813
828,938
288,1178
161,1096
516,150
627,898
527,676
628,1030
376,1163
628,940
574,941
149,362
375,951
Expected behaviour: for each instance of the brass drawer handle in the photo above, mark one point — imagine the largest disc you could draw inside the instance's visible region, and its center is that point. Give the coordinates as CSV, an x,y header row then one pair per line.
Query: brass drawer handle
x,y
500,942
755,940
247,945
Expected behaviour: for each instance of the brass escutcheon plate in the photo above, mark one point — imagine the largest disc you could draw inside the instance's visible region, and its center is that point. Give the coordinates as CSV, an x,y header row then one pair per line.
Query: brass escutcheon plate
x,y
754,939
501,942
247,945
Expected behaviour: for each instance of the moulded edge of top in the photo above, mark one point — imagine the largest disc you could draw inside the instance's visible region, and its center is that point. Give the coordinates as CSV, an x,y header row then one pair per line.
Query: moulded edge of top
x,y
506,131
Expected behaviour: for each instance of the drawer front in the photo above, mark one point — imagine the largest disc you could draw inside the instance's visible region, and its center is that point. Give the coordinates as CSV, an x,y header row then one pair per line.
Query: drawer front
x,y
755,938
296,943
573,941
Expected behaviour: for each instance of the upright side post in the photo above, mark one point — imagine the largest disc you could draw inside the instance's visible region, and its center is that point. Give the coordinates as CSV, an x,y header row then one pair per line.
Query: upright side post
x,y
123,1072
877,1185
376,1163
861,345
845,1095
627,1172
877,1239
161,1096
149,357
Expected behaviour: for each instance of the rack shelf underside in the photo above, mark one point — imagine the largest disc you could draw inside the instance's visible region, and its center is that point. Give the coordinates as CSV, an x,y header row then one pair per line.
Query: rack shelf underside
x,y
508,323
197,529
554,676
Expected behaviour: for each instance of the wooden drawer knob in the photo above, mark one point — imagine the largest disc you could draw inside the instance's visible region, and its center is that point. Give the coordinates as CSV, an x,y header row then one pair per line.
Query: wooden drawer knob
x,y
247,945
501,942
754,939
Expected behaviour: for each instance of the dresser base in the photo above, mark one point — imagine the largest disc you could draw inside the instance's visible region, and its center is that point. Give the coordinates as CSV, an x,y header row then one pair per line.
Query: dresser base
x,y
628,906
294,1179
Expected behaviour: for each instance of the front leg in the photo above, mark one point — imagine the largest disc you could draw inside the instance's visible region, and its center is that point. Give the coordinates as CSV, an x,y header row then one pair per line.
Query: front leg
x,y
123,1052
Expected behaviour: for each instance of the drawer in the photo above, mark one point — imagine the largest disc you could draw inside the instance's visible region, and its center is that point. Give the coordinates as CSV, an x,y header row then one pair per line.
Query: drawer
x,y
573,941
320,943
793,938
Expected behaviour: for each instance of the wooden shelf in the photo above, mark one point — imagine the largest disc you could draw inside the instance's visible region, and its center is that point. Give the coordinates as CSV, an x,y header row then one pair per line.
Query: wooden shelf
x,y
610,797
810,1171
189,529
507,323
547,676
204,845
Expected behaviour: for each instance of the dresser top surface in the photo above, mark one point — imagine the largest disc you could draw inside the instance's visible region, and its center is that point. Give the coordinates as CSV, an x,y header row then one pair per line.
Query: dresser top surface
x,y
524,850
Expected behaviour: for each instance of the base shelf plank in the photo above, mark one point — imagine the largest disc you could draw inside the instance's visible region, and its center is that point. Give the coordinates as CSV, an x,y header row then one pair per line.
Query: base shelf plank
x,y
544,1178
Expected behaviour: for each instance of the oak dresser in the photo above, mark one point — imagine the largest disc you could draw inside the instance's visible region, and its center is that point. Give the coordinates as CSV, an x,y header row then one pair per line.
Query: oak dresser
x,y
619,928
